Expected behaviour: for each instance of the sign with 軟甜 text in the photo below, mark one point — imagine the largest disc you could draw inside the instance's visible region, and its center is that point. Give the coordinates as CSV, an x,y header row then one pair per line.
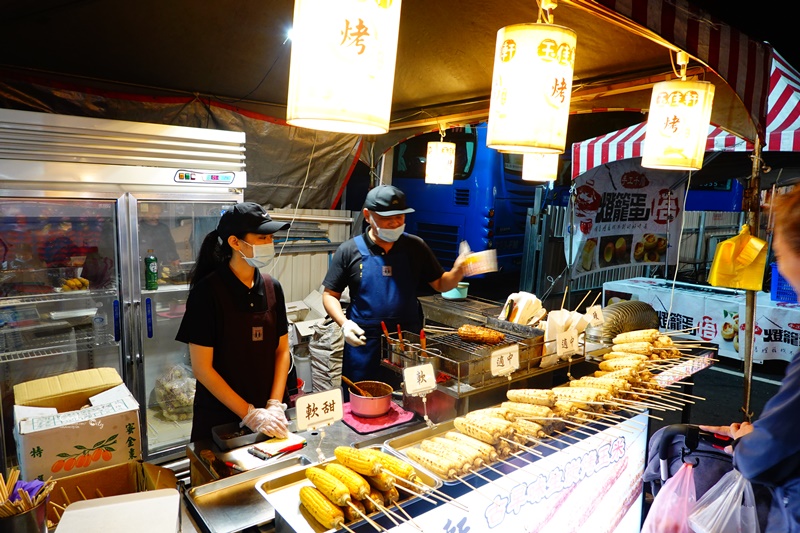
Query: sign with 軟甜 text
x,y
319,409
419,380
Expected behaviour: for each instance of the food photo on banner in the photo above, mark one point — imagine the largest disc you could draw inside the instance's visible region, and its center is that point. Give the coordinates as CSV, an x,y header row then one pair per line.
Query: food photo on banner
x,y
624,215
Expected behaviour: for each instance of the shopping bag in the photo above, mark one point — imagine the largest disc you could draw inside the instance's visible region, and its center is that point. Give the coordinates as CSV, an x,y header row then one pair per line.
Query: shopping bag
x,y
727,507
739,262
673,504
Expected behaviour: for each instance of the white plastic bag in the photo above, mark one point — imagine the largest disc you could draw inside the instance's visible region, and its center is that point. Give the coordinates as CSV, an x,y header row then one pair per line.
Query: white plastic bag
x,y
727,507
671,507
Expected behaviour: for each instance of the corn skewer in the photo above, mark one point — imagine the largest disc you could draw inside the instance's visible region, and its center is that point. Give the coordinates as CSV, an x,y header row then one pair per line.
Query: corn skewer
x,y
665,391
472,487
677,402
583,426
539,442
596,422
369,520
446,498
389,514
415,493
583,300
596,416
408,516
644,405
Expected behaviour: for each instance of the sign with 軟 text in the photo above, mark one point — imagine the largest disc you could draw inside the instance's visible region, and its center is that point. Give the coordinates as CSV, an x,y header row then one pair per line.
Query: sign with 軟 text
x,y
419,379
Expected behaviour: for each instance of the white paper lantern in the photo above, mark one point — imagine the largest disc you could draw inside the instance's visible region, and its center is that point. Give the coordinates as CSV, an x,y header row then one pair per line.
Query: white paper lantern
x,y
531,88
677,126
341,72
540,167
440,163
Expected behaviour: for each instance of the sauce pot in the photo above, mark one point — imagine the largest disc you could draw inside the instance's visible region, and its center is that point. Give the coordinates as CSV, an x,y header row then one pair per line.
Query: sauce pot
x,y
373,407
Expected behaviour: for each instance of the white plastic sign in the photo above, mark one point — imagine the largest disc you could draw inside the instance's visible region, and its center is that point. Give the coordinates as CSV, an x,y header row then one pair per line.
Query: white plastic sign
x,y
419,380
595,315
505,360
319,409
567,343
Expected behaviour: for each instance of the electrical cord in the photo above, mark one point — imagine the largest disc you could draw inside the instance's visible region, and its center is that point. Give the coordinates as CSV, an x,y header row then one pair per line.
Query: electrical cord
x,y
678,257
297,205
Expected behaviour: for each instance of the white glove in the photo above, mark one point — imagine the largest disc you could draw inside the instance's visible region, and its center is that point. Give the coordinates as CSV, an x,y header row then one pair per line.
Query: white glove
x,y
270,421
353,334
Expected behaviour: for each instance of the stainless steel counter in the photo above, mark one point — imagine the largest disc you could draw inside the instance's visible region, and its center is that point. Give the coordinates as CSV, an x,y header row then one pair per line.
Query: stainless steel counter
x,y
230,502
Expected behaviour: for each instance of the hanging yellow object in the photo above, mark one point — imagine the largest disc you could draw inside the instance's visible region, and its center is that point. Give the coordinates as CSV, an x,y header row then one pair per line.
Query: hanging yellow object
x,y
739,262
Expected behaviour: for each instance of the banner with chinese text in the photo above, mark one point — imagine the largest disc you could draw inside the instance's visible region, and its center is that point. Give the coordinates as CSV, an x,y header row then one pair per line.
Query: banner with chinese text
x,y
716,317
596,481
625,215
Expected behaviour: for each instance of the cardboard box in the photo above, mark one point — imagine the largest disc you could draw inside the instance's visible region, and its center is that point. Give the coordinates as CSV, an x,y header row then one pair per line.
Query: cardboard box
x,y
55,438
183,243
126,478
66,392
303,316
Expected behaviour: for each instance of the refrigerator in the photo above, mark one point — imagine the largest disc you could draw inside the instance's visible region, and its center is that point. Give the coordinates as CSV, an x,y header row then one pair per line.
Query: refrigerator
x,y
83,202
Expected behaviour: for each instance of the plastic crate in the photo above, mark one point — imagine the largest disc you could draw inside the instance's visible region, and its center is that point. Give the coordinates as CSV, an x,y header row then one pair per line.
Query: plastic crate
x,y
780,290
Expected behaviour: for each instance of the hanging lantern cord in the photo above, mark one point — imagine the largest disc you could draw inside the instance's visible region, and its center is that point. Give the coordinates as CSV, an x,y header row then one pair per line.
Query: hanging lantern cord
x,y
546,8
682,58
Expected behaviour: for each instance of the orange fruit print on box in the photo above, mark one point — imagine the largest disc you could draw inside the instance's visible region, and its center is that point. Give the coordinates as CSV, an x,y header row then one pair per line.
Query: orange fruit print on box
x,y
85,456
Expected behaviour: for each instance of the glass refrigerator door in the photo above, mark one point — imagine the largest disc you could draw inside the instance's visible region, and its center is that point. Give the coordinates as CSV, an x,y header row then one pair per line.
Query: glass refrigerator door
x,y
168,239
59,292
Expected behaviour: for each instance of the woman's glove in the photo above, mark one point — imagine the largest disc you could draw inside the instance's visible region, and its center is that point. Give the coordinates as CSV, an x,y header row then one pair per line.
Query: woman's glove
x,y
353,334
270,421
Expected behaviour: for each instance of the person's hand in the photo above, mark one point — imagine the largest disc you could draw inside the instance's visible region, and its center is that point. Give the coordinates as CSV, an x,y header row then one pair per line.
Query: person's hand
x,y
734,431
270,421
460,265
353,334
279,426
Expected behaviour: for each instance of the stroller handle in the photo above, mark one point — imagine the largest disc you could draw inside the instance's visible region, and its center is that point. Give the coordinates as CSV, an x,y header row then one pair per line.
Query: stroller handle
x,y
692,436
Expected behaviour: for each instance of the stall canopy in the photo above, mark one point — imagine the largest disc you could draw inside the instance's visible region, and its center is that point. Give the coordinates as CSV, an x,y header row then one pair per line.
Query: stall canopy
x,y
782,128
126,60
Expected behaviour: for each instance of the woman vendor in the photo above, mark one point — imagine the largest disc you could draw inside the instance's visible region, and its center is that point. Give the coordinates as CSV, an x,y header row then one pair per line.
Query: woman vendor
x,y
236,327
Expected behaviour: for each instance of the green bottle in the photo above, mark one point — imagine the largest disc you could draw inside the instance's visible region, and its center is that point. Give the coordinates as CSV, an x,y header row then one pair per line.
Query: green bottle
x,y
150,271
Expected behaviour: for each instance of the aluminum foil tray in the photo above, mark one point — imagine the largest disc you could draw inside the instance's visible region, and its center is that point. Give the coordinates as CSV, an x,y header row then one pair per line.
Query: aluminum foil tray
x,y
234,503
283,494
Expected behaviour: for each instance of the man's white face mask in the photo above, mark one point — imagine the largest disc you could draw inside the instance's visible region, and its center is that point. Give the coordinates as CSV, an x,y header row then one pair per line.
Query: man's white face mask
x,y
262,254
388,234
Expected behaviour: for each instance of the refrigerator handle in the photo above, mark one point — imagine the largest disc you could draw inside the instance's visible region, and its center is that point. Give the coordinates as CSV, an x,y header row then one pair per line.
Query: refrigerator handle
x,y
137,341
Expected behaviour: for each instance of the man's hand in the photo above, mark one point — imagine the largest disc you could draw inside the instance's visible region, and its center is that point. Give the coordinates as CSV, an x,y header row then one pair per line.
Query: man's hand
x,y
353,334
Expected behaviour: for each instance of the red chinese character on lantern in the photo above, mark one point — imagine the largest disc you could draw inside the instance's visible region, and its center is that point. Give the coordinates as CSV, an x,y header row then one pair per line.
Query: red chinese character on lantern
x,y
672,123
508,50
665,208
559,89
707,328
355,35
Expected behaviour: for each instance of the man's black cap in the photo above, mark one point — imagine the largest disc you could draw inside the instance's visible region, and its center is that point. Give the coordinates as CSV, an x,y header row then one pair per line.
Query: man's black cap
x,y
387,200
248,217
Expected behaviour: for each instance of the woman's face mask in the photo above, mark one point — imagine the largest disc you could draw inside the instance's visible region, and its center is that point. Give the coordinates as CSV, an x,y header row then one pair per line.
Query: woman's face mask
x,y
262,254
388,234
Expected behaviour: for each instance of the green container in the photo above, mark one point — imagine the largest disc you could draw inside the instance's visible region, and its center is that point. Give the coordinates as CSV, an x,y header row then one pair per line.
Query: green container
x,y
150,271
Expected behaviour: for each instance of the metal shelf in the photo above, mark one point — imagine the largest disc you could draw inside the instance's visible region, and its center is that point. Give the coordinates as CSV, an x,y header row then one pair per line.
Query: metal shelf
x,y
49,346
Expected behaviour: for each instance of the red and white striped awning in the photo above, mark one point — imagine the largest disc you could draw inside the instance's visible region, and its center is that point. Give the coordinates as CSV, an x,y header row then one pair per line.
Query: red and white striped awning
x,y
782,128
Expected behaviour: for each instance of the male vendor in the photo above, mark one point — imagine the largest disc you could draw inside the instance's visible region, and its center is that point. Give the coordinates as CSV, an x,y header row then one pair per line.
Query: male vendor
x,y
383,268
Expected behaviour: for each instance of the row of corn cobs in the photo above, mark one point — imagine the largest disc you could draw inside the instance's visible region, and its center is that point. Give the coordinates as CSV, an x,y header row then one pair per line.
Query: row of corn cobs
x,y
361,483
